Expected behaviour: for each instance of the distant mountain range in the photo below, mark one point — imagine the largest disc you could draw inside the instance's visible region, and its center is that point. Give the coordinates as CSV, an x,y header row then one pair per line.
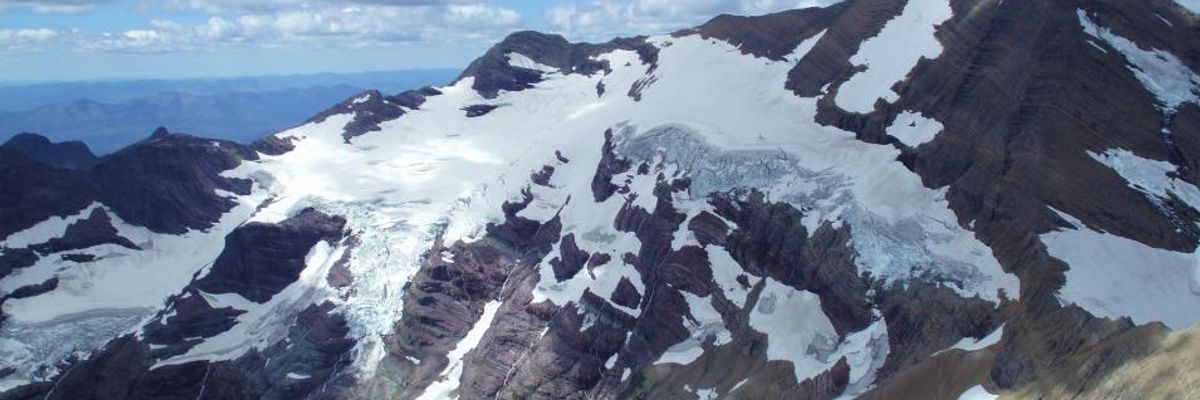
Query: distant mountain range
x,y
111,115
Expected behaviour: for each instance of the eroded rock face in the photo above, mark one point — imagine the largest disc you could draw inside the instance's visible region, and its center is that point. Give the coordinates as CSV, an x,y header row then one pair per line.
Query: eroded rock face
x,y
261,259
570,260
1022,92
772,36
31,192
493,71
306,365
95,230
13,259
610,165
32,290
771,240
829,60
368,109
168,183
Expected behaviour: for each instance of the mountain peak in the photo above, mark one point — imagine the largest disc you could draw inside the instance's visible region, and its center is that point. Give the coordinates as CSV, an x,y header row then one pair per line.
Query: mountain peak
x,y
68,154
159,132
523,58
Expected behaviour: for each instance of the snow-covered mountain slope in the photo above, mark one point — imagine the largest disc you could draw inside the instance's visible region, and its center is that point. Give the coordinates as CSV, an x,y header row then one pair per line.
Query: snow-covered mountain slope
x,y
923,198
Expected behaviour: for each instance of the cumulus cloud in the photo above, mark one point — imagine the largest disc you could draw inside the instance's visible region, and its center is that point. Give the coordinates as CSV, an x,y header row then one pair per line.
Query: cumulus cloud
x,y
274,24
264,6
603,19
364,23
53,6
21,40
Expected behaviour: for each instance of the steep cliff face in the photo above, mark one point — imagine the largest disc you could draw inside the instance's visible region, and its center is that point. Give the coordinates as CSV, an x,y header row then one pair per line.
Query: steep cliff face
x,y
877,199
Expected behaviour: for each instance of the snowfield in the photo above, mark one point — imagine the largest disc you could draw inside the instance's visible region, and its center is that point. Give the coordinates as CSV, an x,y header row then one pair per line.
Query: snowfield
x,y
435,173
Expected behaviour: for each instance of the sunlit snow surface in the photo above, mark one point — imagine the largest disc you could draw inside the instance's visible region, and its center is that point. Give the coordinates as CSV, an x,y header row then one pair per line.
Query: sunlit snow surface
x,y
972,344
890,55
977,392
1162,73
1112,276
1193,5
449,380
102,299
434,172
914,129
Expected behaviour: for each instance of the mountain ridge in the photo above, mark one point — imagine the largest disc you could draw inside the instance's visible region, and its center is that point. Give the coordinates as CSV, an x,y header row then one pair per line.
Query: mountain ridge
x,y
620,223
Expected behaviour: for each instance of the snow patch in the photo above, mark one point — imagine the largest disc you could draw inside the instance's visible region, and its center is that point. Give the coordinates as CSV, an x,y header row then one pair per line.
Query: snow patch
x,y
725,272
914,129
105,298
972,344
890,55
1111,276
522,61
265,324
1151,177
449,380
977,392
53,227
805,46
705,324
1191,5
1163,74
298,376
796,328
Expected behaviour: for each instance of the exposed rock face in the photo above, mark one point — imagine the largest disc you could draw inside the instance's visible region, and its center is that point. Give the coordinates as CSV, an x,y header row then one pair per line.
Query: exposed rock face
x,y
273,145
923,318
772,36
694,268
70,155
190,320
168,183
610,165
94,230
13,259
770,240
122,370
493,72
479,110
261,259
1024,97
570,260
626,294
33,290
31,192
829,60
1148,359
258,262
369,109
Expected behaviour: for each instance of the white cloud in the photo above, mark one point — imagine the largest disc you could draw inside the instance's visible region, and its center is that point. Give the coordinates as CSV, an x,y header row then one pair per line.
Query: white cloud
x,y
604,19
24,40
53,6
266,6
347,24
249,24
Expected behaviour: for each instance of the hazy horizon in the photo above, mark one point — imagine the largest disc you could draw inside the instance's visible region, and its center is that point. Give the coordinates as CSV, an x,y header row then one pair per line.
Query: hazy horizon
x,y
89,40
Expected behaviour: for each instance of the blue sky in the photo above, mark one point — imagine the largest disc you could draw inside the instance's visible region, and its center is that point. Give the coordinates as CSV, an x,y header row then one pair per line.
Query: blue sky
x,y
57,40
